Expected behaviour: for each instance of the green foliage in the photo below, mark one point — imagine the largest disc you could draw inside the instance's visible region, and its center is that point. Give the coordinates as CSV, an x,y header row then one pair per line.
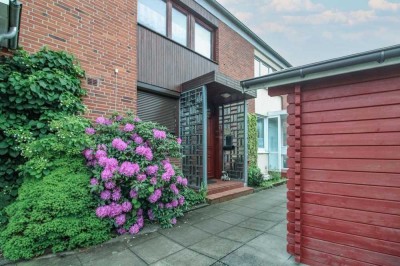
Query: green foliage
x,y
255,176
66,139
55,212
54,209
252,139
275,177
194,197
34,89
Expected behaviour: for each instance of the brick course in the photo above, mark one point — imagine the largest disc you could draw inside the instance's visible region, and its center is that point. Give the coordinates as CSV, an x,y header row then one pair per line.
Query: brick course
x,y
101,34
235,56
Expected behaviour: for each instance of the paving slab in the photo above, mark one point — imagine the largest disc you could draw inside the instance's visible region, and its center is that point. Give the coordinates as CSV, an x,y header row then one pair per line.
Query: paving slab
x,y
257,224
271,216
215,247
156,248
271,245
246,211
185,235
240,234
279,229
231,218
123,258
61,261
212,226
101,252
249,256
186,257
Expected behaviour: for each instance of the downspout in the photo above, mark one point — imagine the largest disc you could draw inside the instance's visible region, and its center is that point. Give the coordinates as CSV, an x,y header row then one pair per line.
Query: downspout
x,y
15,17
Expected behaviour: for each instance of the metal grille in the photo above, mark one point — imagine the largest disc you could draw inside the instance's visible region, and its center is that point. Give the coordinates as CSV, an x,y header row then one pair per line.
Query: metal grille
x,y
191,132
232,121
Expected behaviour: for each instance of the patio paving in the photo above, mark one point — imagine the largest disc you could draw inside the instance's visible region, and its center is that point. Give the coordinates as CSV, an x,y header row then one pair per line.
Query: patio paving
x,y
245,231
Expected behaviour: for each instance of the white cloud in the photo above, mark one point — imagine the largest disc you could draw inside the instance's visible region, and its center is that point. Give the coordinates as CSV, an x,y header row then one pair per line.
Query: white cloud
x,y
294,5
243,16
383,5
333,16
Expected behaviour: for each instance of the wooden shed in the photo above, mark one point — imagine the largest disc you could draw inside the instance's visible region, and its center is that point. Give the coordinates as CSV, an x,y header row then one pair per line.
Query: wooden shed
x,y
344,158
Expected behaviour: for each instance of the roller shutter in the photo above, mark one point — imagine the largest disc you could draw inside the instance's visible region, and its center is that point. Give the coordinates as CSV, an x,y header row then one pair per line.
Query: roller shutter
x,y
159,108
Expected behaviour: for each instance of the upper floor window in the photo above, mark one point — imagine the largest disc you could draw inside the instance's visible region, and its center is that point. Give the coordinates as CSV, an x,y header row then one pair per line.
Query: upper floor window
x,y
261,68
171,20
153,14
179,26
202,40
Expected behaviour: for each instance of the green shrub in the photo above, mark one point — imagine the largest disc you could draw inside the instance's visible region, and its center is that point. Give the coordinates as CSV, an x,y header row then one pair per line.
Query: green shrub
x,y
255,177
54,209
252,139
193,197
34,89
55,213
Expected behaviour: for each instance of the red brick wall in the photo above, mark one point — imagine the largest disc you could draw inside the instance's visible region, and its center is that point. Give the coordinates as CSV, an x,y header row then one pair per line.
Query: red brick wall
x,y
235,56
100,33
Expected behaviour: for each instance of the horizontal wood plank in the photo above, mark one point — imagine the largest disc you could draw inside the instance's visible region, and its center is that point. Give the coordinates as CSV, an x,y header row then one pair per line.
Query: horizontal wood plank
x,y
359,165
352,190
365,217
381,85
357,101
317,258
367,126
358,254
354,152
357,114
347,177
367,139
376,245
376,232
364,204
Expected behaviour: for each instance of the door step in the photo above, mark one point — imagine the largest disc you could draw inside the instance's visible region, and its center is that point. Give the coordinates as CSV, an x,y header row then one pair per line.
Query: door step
x,y
229,194
221,186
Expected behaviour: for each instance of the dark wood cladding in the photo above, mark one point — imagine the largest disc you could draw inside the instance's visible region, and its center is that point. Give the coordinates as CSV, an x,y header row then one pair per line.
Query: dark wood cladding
x,y
164,63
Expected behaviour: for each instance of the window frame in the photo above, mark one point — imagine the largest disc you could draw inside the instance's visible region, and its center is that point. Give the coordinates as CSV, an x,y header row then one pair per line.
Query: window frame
x,y
260,63
192,19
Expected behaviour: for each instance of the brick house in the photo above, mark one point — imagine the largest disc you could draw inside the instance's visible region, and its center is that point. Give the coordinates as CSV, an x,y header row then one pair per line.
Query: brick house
x,y
176,62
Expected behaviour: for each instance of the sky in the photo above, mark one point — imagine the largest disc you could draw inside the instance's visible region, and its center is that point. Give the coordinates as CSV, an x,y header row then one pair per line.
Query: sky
x,y
307,31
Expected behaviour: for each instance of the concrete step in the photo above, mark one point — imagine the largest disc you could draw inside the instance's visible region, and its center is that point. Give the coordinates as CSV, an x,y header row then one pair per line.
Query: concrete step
x,y
222,186
229,194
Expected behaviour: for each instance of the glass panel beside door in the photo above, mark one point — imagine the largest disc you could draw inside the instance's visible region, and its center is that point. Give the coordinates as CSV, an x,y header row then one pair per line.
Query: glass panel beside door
x,y
273,144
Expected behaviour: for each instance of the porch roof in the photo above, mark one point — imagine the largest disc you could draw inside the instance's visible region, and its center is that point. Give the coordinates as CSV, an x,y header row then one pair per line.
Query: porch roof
x,y
217,84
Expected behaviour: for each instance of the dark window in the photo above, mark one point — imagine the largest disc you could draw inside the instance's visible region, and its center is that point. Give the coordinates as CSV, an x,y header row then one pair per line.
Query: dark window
x,y
179,27
202,40
173,21
158,108
153,14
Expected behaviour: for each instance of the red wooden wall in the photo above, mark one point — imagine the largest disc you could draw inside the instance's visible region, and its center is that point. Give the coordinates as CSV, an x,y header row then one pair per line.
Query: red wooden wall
x,y
344,172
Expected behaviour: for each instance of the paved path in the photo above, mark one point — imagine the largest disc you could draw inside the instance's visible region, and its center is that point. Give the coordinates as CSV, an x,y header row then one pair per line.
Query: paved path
x,y
246,231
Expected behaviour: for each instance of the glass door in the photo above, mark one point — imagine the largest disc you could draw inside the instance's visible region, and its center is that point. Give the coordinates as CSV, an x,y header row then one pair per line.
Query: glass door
x,y
274,160
284,141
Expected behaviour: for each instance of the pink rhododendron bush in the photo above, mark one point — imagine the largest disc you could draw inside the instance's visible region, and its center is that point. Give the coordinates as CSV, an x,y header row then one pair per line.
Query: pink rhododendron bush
x,y
133,178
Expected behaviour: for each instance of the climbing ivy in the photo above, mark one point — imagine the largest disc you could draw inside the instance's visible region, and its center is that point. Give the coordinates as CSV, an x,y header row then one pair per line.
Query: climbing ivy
x,y
34,89
252,139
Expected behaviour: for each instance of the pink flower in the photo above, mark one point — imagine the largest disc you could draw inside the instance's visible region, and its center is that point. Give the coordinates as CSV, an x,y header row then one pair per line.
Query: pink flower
x,y
109,185
134,229
152,169
140,222
168,206
103,161
100,154
141,177
103,121
181,200
119,118
119,144
159,134
120,219
144,151
121,231
129,127
138,140
94,182
133,194
174,203
103,211
153,198
88,154
153,181
173,220
126,206
139,212
150,214
105,195
106,174
90,131
137,119
115,209
129,169
174,189
184,182
116,195
179,141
